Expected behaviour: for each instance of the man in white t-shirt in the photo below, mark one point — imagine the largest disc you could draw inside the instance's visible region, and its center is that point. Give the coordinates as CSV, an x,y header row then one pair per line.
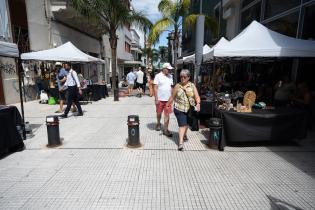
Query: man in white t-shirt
x,y
163,83
131,77
140,81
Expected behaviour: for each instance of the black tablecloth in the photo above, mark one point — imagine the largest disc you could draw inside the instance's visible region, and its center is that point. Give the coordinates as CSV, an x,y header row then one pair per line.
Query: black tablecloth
x,y
264,125
10,139
98,91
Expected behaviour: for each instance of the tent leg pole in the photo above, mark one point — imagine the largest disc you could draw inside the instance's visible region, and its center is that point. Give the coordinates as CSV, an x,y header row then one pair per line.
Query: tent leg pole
x,y
20,73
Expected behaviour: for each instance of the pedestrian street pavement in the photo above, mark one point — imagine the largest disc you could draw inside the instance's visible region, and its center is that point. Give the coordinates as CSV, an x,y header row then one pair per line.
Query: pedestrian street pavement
x,y
94,169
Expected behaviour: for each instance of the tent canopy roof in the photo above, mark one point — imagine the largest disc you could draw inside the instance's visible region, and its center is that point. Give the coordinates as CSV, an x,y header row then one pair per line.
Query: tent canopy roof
x,y
191,58
66,52
258,41
8,49
209,56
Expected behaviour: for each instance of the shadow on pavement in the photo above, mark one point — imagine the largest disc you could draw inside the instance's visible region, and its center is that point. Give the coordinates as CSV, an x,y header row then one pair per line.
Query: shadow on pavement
x,y
276,203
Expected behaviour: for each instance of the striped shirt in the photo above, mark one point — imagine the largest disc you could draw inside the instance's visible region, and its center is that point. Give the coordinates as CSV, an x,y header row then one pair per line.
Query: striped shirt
x,y
181,102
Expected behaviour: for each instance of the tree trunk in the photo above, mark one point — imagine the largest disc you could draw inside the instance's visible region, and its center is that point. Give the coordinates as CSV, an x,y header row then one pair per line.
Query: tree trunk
x,y
113,45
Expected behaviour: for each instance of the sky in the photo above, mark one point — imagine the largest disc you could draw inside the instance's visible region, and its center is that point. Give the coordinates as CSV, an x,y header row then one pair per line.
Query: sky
x,y
150,9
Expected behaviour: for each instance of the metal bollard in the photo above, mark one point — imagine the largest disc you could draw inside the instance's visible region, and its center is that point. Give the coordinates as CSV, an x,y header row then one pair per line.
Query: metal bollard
x,y
215,133
53,134
133,131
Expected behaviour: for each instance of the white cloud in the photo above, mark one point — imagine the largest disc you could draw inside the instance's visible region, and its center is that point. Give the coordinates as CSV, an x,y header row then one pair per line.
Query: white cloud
x,y
148,7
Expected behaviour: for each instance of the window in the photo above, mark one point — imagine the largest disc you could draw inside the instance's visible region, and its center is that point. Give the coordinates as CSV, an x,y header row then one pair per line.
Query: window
x,y
250,14
308,25
286,25
127,47
246,2
4,20
274,7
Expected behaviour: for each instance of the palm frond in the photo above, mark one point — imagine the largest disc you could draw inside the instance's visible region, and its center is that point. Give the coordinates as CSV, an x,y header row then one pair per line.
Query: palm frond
x,y
166,7
212,24
190,20
184,7
140,21
158,28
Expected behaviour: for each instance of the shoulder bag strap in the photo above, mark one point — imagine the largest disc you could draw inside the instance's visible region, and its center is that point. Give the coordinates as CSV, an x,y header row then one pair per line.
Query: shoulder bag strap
x,y
186,95
74,79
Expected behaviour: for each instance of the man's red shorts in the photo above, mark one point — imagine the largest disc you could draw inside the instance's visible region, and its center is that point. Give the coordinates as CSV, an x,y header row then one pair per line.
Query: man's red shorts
x,y
162,106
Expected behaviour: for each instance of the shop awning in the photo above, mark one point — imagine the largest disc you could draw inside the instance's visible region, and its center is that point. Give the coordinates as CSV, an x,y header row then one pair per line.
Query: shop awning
x,y
66,52
8,49
132,63
258,41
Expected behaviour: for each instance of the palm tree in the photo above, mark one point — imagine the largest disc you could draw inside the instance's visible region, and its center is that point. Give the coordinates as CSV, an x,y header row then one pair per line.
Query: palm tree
x,y
175,13
163,50
152,55
111,15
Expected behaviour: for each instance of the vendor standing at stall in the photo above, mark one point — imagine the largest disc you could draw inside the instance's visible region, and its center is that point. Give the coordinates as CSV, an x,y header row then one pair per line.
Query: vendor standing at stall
x,y
284,91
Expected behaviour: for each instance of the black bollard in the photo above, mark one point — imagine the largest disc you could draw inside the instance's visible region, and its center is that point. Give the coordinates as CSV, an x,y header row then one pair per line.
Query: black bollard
x,y
215,134
53,134
133,131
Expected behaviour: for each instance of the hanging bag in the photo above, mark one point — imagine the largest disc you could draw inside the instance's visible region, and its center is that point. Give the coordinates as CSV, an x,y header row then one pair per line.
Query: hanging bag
x,y
192,116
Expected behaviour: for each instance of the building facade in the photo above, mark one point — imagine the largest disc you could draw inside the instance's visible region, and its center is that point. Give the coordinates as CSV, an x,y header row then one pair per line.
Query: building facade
x,y
9,85
209,8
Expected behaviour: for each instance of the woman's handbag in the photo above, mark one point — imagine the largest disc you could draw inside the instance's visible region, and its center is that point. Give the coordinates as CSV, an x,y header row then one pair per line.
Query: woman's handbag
x,y
192,116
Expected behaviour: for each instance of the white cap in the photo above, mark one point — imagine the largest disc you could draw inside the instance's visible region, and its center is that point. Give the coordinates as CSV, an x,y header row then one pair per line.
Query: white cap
x,y
58,64
167,66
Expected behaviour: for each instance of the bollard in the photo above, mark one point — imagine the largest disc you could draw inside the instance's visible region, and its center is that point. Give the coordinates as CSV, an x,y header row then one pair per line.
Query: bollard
x,y
133,131
53,134
215,133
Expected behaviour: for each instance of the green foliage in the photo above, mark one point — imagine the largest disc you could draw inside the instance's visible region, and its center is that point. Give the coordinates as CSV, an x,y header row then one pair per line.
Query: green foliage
x,y
111,14
175,13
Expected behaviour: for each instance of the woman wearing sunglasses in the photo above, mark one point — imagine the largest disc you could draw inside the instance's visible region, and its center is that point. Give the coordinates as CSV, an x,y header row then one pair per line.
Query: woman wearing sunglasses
x,y
184,95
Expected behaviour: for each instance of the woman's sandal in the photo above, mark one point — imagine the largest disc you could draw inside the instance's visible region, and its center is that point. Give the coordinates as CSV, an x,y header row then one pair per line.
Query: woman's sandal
x,y
185,138
167,133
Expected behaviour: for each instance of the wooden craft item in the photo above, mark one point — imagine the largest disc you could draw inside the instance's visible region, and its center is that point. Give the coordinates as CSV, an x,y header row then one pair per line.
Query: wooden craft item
x,y
249,100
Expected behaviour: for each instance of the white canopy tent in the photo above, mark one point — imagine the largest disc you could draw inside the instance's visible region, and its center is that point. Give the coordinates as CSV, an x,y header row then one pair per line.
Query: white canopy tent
x,y
209,56
66,52
258,41
8,49
191,59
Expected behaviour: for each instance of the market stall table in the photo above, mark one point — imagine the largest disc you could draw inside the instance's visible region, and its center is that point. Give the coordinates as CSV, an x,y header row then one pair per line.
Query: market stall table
x,y
263,125
207,107
10,139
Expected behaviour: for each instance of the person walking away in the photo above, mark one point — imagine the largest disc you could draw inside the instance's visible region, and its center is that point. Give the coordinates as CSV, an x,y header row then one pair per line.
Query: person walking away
x,y
145,81
151,85
131,77
303,100
140,75
73,85
184,95
163,83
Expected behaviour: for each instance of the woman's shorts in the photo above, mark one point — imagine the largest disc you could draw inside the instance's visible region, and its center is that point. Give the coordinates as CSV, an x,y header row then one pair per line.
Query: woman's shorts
x,y
62,95
181,118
